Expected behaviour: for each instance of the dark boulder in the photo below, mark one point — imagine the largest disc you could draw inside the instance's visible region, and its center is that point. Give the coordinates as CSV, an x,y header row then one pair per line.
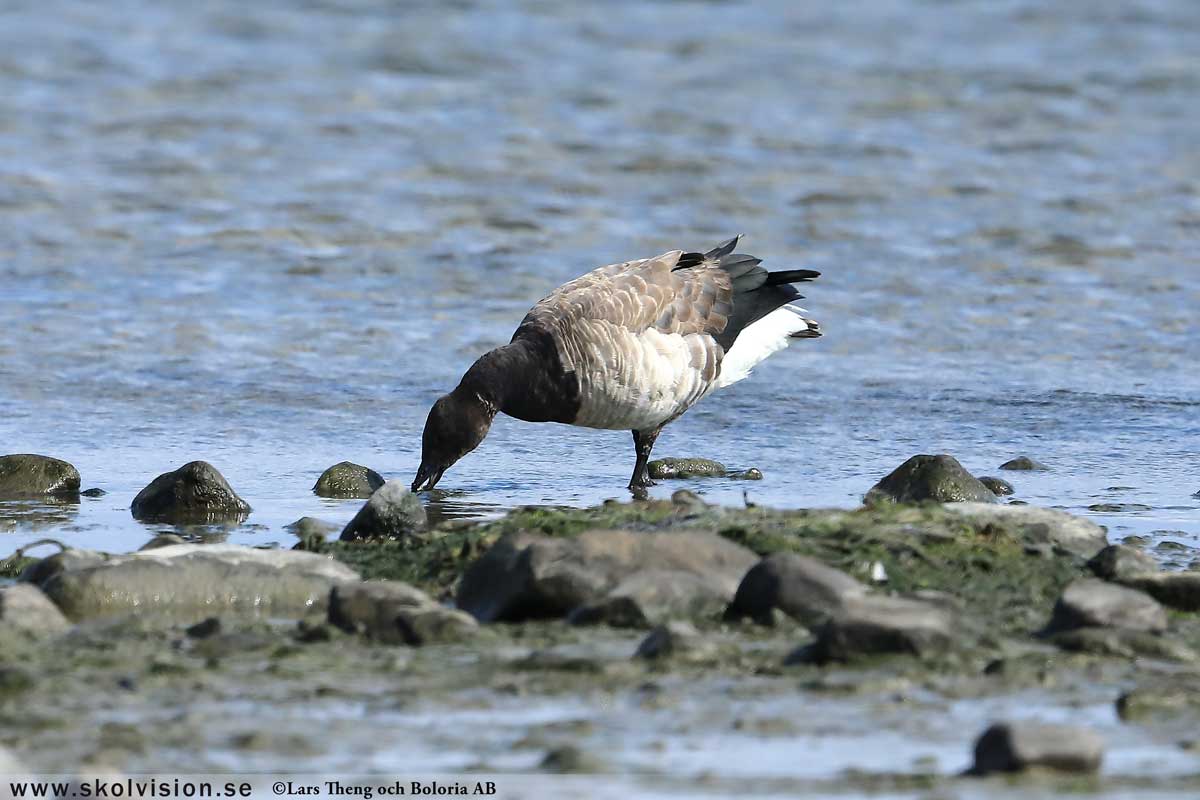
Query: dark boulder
x,y
998,486
196,492
393,512
937,478
524,576
347,479
25,476
802,587
1025,464
1118,561
1090,602
876,625
1017,746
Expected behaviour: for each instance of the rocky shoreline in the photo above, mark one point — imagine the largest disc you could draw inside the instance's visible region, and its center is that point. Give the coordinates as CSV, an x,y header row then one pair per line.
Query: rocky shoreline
x,y
933,592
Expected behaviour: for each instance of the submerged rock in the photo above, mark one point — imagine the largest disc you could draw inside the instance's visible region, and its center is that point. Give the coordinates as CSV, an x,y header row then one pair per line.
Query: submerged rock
x,y
524,576
1119,561
1024,463
347,479
1090,602
1017,746
188,582
998,486
1040,525
163,540
803,588
25,609
196,492
393,512
26,476
396,613
751,474
873,625
938,478
664,468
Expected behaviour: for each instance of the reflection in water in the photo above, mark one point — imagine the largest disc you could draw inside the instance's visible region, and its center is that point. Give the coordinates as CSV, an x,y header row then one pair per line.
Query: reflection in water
x,y
442,505
41,513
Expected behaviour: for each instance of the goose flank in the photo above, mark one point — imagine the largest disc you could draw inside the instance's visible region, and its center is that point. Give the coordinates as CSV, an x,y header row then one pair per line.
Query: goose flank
x,y
627,346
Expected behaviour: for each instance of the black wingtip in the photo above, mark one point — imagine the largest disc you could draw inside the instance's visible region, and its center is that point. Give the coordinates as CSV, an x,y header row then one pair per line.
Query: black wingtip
x,y
792,276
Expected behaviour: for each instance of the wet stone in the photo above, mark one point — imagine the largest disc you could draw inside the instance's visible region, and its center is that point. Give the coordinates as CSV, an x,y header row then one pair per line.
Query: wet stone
x,y
1118,561
751,474
1025,464
204,628
1090,602
163,540
998,486
93,492
938,478
393,512
874,625
665,468
28,476
803,588
347,479
196,492
311,532
654,595
1018,746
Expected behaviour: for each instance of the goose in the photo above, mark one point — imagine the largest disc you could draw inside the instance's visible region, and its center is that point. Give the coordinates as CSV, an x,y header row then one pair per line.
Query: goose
x,y
628,346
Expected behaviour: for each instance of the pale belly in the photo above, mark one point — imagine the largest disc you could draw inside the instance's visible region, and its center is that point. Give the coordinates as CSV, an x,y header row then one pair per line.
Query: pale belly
x,y
637,381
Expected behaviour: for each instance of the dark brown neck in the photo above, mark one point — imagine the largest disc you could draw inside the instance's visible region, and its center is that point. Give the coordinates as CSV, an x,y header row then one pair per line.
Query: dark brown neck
x,y
524,379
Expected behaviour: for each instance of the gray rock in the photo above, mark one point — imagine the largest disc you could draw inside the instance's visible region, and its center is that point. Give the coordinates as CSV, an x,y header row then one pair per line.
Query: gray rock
x,y
651,596
998,486
939,478
1090,602
188,582
676,639
26,476
1119,561
396,613
393,512
871,625
751,474
1024,463
1179,590
1017,746
524,576
25,609
803,588
1040,525
196,492
664,468
347,479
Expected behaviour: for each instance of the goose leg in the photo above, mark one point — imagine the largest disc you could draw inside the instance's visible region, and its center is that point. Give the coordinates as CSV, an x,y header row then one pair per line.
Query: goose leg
x,y
643,443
